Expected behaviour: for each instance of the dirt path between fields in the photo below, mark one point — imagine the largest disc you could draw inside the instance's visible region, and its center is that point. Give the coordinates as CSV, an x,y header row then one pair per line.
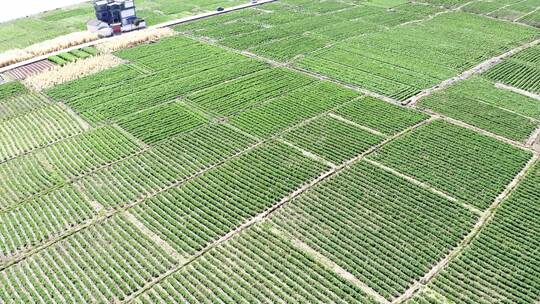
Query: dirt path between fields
x,y
517,90
480,68
482,221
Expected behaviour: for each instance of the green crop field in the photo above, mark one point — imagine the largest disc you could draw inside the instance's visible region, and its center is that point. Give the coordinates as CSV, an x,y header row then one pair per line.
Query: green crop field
x,y
295,151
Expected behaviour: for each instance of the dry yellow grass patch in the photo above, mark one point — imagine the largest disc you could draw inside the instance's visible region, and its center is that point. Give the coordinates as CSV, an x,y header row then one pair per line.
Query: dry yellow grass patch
x,y
134,38
71,71
46,47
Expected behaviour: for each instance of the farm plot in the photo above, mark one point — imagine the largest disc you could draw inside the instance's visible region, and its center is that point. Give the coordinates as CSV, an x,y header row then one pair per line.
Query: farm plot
x,y
292,108
40,219
469,166
246,92
171,79
163,165
287,29
54,165
256,266
161,122
104,263
381,116
516,11
11,89
36,129
435,50
196,213
479,103
332,139
384,230
501,265
11,107
521,70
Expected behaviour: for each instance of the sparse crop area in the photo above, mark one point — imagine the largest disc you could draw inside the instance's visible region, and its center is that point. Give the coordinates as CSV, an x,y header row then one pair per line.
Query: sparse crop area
x,y
295,151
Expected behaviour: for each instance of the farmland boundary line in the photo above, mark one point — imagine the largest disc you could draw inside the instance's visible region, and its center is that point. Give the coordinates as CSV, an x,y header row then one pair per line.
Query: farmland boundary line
x,y
486,217
265,214
535,120
331,265
382,97
130,217
477,130
517,90
308,154
425,186
478,69
352,123
534,140
19,256
503,7
525,15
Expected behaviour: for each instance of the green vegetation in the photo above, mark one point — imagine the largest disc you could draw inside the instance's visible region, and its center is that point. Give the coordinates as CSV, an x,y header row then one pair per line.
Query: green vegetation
x,y
332,139
106,262
521,70
36,173
256,266
501,264
72,56
479,103
471,167
385,230
381,116
241,161
161,122
190,217
11,89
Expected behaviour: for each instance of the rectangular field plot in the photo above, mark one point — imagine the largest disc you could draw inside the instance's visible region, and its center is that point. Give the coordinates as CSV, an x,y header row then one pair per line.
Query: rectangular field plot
x,y
464,164
36,129
379,115
287,29
12,89
232,97
54,165
202,210
163,165
176,68
332,139
501,264
40,219
21,104
521,70
161,122
256,266
103,263
437,49
384,230
292,108
479,103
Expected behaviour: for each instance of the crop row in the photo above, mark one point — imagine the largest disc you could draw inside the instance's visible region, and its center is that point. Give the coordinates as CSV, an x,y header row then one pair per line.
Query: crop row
x,y
386,63
161,122
72,56
124,182
38,220
291,108
381,116
256,266
21,104
521,70
381,228
35,173
332,139
36,129
200,211
240,94
104,263
479,103
501,265
469,166
11,89
163,165
287,29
